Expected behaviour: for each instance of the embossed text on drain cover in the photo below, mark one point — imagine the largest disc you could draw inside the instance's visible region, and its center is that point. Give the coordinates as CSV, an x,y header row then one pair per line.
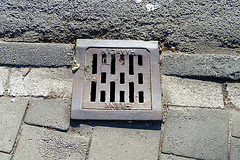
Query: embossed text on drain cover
x,y
117,80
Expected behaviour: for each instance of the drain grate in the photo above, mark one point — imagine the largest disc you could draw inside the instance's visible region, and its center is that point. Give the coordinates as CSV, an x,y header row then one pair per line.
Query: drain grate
x,y
117,80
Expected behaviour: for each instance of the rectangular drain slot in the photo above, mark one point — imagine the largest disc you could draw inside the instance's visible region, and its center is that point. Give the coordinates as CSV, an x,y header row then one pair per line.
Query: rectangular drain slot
x,y
140,78
104,59
112,91
140,60
141,96
93,91
121,60
131,92
103,77
122,78
102,96
131,65
122,95
94,64
113,64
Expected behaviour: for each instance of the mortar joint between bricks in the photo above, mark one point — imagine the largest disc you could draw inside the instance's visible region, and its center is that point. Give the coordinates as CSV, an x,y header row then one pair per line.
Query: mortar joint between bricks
x,y
19,131
228,105
165,109
49,128
88,150
6,85
230,134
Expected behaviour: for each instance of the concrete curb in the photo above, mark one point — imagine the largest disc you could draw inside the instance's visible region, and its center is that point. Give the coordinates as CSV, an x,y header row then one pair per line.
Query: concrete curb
x,y
36,54
174,64
201,65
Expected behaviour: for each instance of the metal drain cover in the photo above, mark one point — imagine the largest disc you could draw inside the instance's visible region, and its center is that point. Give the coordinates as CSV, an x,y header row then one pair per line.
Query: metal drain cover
x,y
117,80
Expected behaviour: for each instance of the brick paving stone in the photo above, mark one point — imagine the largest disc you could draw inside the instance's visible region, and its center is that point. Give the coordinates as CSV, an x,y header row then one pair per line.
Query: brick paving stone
x,y
234,93
199,65
123,143
173,157
41,82
188,92
4,156
12,111
85,130
236,124
196,133
235,149
3,79
35,54
51,113
39,143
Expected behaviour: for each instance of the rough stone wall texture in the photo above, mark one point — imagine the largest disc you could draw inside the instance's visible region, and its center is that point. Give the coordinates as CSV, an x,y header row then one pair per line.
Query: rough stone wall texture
x,y
186,25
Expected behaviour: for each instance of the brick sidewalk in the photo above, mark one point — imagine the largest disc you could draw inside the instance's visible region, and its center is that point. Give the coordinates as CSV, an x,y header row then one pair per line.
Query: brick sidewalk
x,y
201,121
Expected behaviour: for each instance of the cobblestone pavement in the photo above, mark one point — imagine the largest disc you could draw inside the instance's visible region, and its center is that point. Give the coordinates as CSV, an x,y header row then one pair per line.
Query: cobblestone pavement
x,y
201,119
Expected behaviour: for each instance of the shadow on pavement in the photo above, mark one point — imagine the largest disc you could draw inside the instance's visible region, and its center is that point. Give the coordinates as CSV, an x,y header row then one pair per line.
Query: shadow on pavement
x,y
148,125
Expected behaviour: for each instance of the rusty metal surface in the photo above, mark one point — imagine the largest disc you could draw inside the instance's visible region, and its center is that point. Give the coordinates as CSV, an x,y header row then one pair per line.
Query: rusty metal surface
x,y
95,97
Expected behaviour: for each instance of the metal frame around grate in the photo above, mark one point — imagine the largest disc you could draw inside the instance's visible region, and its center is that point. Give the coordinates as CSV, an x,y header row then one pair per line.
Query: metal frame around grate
x,y
96,57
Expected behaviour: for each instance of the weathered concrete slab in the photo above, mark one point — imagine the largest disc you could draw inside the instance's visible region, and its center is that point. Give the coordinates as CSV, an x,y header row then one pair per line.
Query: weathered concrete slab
x,y
189,92
234,94
51,113
36,54
235,149
12,111
3,79
122,143
39,143
236,124
4,156
196,133
173,157
199,65
85,130
41,82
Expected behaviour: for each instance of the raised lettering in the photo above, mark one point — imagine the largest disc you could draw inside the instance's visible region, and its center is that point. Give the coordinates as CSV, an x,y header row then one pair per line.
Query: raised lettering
x,y
118,51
